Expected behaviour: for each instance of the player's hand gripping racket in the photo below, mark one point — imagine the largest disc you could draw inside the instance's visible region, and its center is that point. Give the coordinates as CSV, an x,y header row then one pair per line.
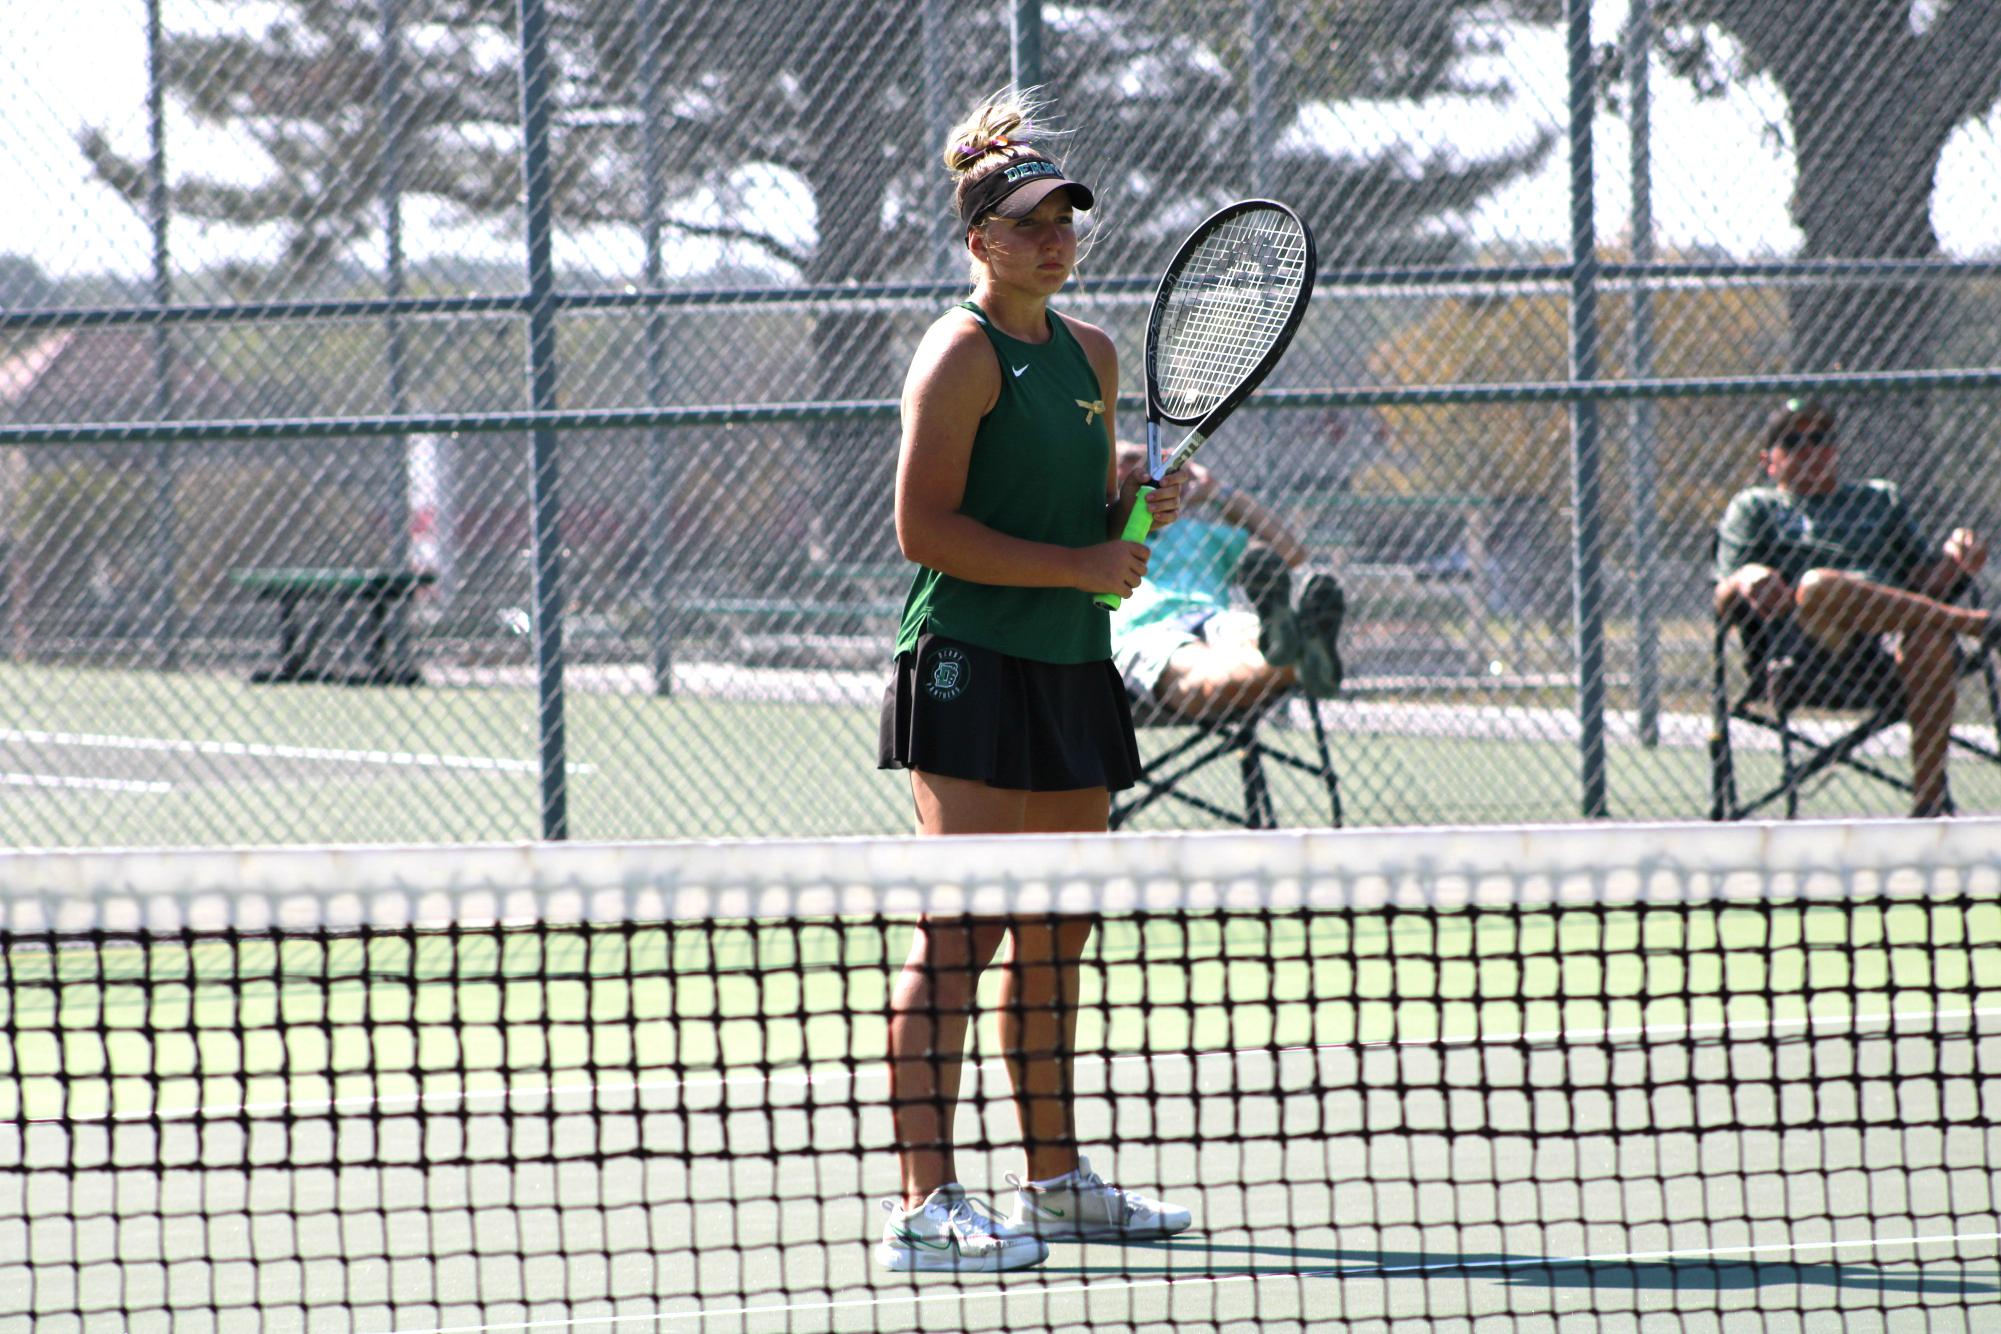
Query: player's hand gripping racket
x,y
1225,310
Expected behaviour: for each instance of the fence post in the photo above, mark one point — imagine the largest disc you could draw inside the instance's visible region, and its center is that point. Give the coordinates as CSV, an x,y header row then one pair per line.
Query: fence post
x,y
935,19
166,531
1025,43
544,498
1587,545
1646,609
1258,38
653,196
390,104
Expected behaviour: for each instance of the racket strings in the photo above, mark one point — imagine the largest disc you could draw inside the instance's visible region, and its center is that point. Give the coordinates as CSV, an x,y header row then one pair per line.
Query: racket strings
x,y
1232,301
1238,309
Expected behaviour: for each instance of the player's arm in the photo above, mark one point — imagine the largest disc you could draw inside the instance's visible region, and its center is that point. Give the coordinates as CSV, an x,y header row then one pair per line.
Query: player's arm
x,y
1241,510
1962,557
1738,575
954,380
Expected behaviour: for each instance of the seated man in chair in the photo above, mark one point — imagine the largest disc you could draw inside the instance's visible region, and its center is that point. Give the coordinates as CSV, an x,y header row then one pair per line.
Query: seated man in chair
x,y
1178,643
1814,567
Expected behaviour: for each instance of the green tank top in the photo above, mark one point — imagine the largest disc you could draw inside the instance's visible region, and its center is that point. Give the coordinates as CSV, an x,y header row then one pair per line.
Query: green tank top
x,y
1037,472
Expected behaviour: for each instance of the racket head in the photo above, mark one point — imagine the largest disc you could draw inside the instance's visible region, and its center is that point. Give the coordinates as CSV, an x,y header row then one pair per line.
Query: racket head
x,y
1226,308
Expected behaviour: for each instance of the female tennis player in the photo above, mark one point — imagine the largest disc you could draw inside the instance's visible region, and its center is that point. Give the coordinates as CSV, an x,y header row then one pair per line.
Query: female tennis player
x,y
1005,705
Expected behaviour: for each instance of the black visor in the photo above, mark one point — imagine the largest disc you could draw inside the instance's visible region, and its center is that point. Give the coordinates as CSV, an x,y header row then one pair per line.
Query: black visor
x,y
1014,191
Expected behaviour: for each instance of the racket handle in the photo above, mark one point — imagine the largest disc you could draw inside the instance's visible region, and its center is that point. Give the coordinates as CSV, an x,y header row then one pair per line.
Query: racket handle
x,y
1138,524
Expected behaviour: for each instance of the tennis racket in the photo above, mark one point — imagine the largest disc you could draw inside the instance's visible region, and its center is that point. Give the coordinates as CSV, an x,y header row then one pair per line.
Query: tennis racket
x,y
1227,306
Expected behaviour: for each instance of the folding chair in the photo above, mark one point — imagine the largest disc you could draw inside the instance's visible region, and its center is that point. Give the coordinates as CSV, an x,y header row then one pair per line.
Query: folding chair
x,y
1234,736
1781,679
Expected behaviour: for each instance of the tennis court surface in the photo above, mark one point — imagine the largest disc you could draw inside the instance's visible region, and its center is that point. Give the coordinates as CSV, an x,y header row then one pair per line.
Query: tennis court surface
x,y
1609,1078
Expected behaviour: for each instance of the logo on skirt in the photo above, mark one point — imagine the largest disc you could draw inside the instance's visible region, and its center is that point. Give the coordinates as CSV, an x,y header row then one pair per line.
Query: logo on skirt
x,y
950,674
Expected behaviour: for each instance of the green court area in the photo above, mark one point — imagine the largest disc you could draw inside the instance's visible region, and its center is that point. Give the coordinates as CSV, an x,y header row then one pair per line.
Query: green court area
x,y
1375,1116
107,757
170,1020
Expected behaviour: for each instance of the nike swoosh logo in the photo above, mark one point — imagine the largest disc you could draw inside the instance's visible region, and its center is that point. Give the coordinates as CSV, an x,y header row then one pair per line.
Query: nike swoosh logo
x,y
916,1240
1017,371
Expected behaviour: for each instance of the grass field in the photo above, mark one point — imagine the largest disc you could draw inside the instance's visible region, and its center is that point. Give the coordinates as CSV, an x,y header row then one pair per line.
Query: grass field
x,y
102,757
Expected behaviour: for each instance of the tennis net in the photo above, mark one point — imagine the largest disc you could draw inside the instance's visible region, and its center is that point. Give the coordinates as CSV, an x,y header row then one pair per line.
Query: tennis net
x,y
1603,1077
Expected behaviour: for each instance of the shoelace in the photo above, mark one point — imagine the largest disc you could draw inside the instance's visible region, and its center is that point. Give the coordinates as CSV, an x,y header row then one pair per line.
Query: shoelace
x,y
1128,1202
973,1213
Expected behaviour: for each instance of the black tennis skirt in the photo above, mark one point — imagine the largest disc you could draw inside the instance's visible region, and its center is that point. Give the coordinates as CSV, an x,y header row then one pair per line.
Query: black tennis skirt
x,y
968,712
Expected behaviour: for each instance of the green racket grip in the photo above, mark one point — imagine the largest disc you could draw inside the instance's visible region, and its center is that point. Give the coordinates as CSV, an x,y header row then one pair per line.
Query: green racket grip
x,y
1138,524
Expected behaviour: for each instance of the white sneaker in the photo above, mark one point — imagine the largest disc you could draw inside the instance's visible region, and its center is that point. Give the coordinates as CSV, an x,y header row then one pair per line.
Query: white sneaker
x,y
952,1231
1085,1207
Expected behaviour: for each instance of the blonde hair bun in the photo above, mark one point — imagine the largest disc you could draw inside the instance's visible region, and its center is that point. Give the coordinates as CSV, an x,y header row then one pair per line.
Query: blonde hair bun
x,y
1005,120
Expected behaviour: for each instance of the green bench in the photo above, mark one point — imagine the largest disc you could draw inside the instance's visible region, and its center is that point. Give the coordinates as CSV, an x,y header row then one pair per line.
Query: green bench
x,y
314,601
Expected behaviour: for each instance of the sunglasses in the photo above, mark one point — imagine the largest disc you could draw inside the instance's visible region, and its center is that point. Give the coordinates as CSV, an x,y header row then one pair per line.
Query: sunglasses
x,y
1801,439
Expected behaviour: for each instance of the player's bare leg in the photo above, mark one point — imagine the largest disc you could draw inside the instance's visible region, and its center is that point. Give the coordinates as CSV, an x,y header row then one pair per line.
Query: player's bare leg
x,y
1040,985
1927,660
1061,1195
1835,606
1204,681
929,1010
1039,990
932,1001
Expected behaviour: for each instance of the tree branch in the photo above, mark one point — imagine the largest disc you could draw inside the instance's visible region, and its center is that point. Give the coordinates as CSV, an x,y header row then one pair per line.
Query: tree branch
x,y
763,241
1965,41
1768,31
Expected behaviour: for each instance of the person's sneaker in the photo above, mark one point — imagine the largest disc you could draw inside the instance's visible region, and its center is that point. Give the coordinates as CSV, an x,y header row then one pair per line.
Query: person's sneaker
x,y
1084,1207
1322,606
1262,573
952,1231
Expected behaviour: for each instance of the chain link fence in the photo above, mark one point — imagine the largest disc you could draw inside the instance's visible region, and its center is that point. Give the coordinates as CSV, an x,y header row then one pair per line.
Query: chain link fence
x,y
533,363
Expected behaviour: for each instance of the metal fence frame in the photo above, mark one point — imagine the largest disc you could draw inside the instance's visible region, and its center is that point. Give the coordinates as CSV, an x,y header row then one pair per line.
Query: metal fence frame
x,y
1582,279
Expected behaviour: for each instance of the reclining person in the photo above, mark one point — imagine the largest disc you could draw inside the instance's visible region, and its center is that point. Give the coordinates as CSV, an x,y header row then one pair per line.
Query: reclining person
x,y
1179,644
1816,566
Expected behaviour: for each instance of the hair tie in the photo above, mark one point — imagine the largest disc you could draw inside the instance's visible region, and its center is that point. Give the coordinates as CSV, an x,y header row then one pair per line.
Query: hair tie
x,y
971,149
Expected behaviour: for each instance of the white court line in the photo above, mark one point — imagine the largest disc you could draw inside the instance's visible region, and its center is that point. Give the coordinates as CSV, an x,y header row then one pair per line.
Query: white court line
x,y
401,759
1192,1278
88,784
804,1077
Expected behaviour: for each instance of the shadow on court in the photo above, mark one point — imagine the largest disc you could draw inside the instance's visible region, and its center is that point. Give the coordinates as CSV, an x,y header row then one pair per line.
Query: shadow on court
x,y
1690,1275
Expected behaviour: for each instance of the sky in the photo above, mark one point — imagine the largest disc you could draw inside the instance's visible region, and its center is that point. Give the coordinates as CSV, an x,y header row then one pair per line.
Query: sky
x,y
1719,179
